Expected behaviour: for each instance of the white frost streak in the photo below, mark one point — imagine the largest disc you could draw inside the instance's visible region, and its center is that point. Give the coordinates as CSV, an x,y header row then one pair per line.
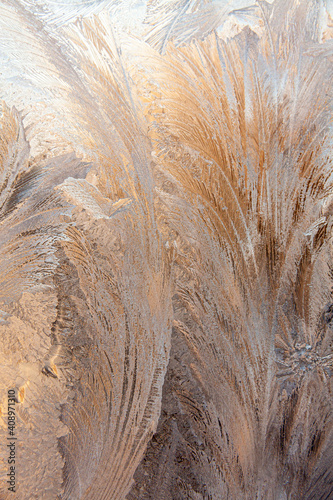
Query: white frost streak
x,y
81,193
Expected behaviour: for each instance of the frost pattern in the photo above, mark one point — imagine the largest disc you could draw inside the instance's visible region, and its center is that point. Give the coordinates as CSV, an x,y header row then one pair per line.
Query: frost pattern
x,y
166,252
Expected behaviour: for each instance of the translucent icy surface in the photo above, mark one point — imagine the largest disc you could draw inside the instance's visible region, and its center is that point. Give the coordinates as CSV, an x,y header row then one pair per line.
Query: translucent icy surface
x,y
166,266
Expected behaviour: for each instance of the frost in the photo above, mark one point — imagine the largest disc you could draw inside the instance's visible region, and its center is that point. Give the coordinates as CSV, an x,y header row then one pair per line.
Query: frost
x,y
166,298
